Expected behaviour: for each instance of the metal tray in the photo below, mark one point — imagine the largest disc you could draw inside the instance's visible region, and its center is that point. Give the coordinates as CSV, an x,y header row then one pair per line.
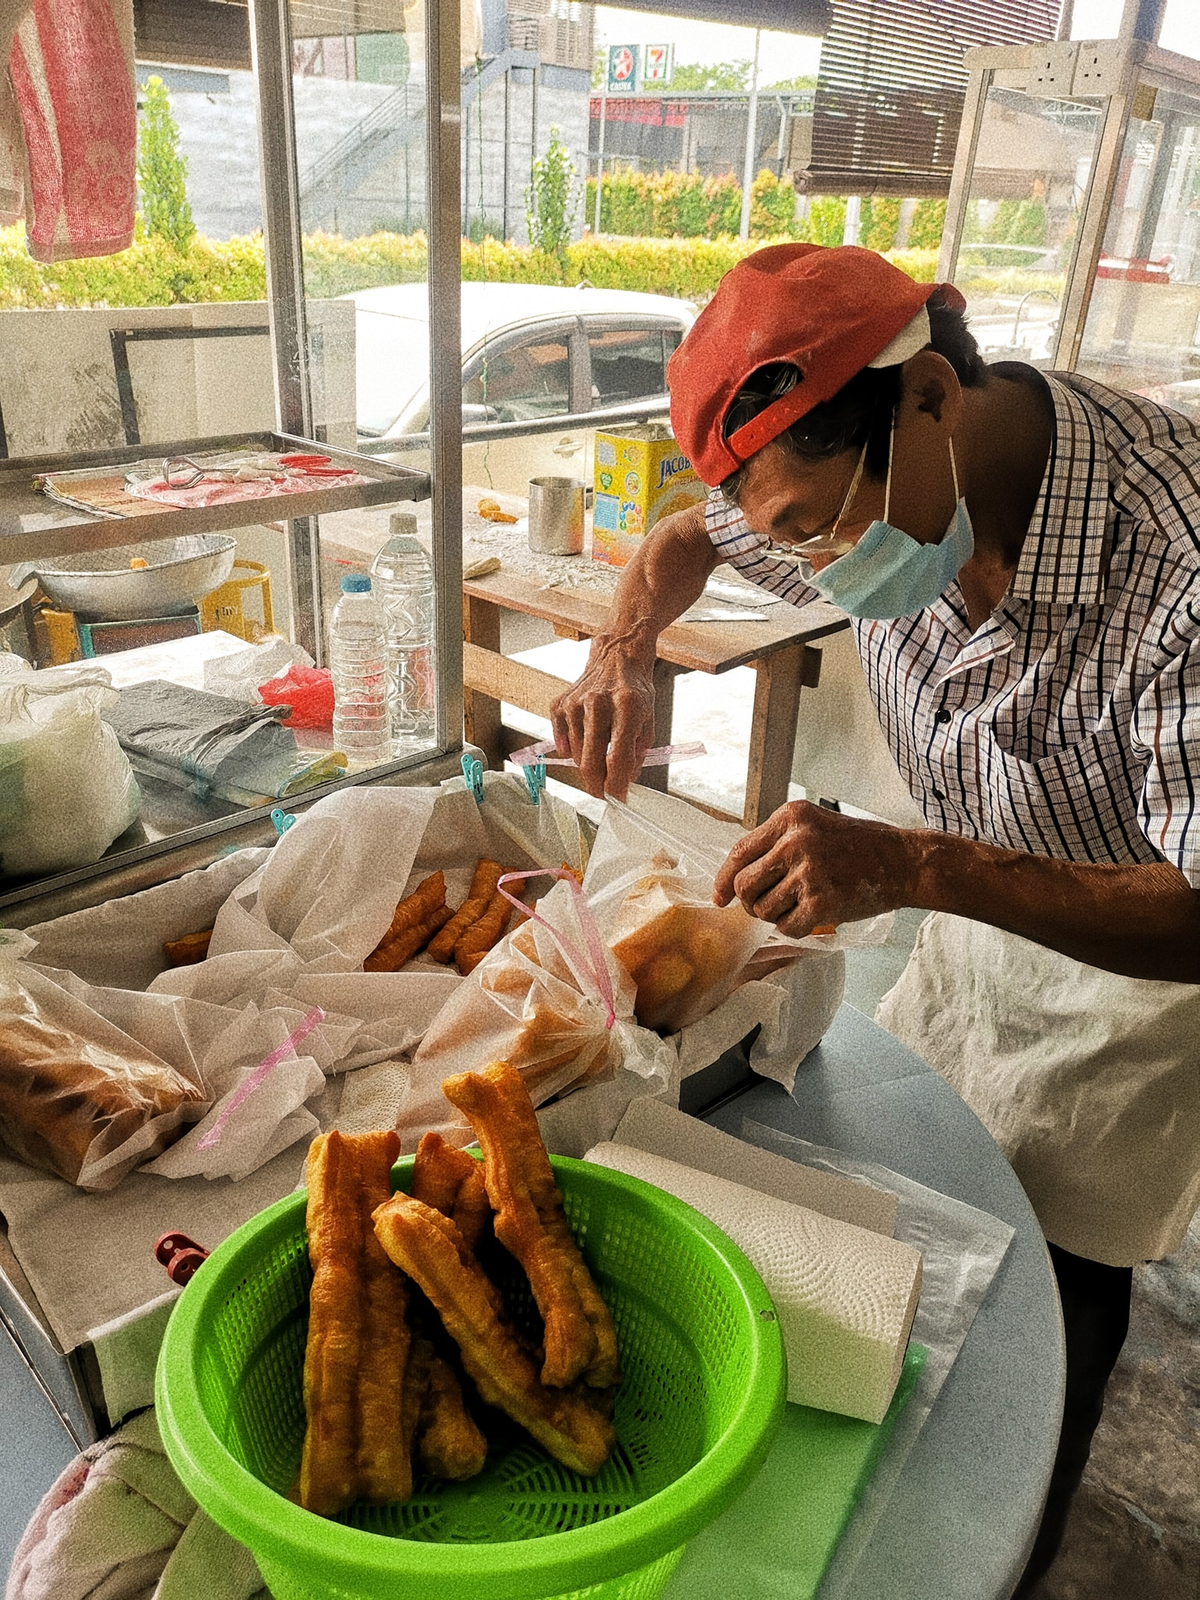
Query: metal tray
x,y
33,526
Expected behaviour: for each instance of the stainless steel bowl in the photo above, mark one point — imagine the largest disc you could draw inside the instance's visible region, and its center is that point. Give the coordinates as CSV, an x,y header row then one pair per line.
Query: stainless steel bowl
x,y
101,586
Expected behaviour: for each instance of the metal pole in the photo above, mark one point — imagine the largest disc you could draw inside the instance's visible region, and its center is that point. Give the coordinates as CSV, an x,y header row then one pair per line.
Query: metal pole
x,y
271,60
507,142
443,110
600,150
751,139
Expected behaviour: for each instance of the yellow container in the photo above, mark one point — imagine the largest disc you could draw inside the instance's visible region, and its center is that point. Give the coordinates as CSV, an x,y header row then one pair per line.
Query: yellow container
x,y
226,607
641,476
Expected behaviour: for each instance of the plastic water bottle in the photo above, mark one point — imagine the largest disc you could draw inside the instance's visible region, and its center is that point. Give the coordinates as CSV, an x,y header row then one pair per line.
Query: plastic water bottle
x,y
358,662
403,578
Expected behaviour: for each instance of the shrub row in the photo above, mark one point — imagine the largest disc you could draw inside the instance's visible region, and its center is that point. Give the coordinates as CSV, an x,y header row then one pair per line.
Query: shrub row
x,y
153,273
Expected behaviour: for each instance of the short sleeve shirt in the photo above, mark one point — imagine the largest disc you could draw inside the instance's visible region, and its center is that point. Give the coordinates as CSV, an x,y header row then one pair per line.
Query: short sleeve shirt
x,y
1068,724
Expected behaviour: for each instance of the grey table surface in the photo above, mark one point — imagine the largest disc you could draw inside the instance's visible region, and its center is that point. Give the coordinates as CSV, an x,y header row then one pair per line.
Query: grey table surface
x,y
960,1521
962,1518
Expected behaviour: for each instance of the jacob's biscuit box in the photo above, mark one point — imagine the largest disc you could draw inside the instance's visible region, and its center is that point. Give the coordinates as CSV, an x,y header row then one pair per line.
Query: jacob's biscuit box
x,y
641,476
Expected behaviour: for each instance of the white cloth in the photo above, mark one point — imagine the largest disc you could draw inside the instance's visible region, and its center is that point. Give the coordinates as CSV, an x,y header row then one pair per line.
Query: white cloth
x,y
1089,1082
118,1525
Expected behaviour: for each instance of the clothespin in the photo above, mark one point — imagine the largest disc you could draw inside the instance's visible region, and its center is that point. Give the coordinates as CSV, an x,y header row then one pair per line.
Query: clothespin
x,y
473,773
282,820
535,779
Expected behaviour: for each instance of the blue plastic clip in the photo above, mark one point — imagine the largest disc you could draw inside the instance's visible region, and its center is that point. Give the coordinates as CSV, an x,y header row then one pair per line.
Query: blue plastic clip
x,y
282,820
473,773
535,779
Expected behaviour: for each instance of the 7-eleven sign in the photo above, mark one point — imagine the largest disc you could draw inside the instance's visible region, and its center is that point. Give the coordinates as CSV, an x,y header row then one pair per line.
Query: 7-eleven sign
x,y
623,67
659,64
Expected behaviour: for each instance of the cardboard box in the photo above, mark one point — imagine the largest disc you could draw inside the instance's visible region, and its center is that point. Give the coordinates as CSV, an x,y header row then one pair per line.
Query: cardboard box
x,y
641,476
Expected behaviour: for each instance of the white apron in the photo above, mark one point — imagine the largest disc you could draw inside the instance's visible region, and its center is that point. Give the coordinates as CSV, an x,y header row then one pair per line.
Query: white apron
x,y
1088,1082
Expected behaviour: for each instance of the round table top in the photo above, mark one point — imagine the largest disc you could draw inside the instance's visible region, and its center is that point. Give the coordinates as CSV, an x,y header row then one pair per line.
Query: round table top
x,y
962,1517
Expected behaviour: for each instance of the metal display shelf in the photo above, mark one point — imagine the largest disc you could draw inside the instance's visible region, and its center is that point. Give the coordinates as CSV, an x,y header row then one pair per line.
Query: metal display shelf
x,y
33,525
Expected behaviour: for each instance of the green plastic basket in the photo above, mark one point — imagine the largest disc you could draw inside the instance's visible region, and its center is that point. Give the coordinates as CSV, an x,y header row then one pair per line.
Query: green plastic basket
x,y
702,1395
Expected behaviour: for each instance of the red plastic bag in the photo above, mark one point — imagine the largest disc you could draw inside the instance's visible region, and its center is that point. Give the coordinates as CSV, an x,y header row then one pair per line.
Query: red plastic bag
x,y
309,692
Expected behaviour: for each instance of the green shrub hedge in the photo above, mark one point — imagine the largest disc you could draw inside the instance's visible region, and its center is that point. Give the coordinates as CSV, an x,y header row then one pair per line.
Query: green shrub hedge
x,y
153,273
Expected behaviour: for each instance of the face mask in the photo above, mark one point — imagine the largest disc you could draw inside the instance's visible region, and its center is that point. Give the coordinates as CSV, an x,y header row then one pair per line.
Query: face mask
x,y
887,574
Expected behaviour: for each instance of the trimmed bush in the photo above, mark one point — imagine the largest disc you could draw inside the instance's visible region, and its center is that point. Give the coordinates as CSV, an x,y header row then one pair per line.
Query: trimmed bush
x,y
153,273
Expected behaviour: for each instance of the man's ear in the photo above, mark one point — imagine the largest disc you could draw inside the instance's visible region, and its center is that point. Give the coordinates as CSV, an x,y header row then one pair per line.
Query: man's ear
x,y
931,390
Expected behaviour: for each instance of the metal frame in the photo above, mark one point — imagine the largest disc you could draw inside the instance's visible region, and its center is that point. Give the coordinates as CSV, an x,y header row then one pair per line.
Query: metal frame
x,y
121,338
1106,71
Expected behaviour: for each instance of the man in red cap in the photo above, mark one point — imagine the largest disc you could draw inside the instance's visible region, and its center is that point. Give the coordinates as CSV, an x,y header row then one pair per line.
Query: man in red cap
x,y
1019,556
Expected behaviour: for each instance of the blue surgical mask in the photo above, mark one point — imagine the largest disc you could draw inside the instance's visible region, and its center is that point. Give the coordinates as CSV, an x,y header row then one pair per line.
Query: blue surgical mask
x,y
887,573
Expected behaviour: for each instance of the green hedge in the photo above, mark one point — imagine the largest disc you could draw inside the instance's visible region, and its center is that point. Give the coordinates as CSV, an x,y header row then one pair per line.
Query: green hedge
x,y
152,273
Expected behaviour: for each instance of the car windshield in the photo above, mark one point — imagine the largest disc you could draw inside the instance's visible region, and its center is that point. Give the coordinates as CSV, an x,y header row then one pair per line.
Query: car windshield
x,y
392,367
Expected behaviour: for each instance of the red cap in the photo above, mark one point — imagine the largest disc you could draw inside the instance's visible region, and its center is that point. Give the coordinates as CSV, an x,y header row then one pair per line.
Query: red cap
x,y
829,311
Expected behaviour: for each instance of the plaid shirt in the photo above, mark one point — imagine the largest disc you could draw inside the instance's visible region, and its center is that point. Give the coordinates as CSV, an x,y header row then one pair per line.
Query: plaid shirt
x,y
1068,724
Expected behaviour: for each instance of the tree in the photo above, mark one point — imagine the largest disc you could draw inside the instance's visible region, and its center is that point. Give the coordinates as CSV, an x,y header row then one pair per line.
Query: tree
x,y
733,75
552,198
161,170
806,80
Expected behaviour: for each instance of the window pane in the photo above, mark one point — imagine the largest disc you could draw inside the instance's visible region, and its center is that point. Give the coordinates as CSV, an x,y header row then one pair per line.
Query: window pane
x,y
627,364
1030,175
1143,324
523,381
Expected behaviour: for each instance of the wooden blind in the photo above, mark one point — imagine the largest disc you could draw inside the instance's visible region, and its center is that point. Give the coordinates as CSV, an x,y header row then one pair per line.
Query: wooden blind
x,y
890,90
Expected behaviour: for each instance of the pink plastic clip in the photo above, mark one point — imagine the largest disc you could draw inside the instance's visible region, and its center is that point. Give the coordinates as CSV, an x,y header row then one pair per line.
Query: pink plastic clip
x,y
262,1071
596,967
544,750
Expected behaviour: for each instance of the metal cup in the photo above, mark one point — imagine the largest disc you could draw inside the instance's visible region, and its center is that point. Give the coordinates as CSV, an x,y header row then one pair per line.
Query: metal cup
x,y
556,516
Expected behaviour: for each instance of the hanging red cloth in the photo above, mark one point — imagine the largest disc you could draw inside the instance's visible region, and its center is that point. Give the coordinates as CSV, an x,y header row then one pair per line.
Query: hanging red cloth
x,y
68,114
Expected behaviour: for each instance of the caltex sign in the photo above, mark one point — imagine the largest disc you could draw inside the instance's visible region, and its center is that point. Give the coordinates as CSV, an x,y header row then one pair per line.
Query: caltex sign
x,y
623,67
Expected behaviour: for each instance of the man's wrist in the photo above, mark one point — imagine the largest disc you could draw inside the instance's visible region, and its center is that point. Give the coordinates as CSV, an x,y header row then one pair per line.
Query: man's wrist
x,y
634,643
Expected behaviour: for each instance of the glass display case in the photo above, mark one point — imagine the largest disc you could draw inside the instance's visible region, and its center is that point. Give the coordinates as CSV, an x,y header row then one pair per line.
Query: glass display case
x,y
1073,223
257,380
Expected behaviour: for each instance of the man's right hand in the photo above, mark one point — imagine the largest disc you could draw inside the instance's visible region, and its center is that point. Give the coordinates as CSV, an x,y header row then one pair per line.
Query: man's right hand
x,y
606,720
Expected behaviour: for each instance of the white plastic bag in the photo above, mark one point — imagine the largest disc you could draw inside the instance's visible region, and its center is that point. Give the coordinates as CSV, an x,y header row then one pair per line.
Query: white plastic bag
x,y
66,787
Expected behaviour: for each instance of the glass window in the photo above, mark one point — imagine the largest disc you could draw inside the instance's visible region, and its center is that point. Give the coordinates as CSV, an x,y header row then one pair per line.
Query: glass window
x,y
522,381
1143,323
1030,176
629,363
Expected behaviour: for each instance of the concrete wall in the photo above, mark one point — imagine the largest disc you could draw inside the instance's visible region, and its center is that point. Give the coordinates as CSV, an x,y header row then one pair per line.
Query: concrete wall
x,y
218,138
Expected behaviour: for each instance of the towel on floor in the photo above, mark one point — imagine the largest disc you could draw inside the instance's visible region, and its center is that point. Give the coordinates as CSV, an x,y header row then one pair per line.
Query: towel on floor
x,y
119,1525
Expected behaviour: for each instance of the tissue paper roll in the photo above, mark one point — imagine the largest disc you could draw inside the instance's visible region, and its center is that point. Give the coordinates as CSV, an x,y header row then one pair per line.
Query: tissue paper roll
x,y
845,1297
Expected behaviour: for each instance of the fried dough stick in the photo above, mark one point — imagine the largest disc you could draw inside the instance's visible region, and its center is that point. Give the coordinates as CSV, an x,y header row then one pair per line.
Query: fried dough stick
x,y
483,933
431,1250
414,922
357,1445
451,1182
483,887
580,1340
449,1442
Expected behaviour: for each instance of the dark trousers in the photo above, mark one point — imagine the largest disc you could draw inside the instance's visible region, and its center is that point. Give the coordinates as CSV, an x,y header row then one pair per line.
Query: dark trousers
x,y
1095,1306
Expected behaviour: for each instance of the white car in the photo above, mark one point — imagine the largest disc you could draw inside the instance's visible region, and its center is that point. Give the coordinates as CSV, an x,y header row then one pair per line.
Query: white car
x,y
530,351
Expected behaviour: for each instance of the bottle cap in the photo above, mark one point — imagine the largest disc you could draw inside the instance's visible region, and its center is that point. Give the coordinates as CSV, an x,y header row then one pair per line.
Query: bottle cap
x,y
356,583
403,523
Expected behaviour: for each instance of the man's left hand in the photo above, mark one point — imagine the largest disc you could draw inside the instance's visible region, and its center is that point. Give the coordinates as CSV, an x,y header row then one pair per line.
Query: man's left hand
x,y
808,867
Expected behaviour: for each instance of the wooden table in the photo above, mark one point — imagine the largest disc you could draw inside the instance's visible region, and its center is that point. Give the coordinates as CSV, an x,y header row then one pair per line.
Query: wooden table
x,y
779,648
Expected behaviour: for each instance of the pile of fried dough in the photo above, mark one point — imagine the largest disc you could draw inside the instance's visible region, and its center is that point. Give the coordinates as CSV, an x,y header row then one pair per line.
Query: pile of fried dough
x,y
410,1340
423,921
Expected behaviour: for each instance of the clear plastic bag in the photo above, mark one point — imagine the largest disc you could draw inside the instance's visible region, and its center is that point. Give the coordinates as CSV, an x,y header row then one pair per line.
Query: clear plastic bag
x,y
551,1001
79,1097
66,787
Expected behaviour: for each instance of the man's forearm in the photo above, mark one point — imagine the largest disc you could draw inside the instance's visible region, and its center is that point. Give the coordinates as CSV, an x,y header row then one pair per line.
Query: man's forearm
x,y
665,577
1140,921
